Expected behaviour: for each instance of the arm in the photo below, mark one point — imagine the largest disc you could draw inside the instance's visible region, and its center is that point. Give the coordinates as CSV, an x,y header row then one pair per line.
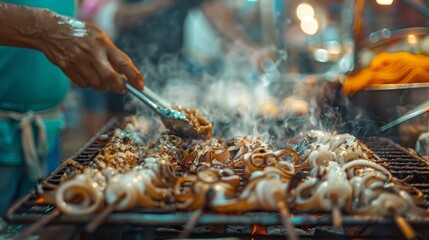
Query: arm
x,y
223,18
129,14
83,52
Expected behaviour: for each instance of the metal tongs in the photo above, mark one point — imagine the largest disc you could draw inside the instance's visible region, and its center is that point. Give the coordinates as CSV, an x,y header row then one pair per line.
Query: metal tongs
x,y
173,120
422,108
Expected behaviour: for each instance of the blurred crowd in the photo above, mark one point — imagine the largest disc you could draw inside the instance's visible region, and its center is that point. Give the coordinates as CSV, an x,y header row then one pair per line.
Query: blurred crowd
x,y
171,40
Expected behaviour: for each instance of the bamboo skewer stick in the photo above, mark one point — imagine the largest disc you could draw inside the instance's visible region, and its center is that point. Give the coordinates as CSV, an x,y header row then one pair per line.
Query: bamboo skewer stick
x,y
191,223
94,224
39,224
337,219
285,215
196,215
405,228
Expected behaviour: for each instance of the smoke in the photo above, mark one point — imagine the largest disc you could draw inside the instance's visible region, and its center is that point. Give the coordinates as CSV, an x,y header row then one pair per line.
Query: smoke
x,y
239,101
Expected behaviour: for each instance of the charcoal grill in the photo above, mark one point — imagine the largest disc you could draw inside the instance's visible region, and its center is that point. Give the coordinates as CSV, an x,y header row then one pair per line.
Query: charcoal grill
x,y
403,163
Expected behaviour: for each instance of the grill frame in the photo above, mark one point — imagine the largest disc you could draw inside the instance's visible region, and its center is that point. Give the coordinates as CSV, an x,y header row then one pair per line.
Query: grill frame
x,y
25,211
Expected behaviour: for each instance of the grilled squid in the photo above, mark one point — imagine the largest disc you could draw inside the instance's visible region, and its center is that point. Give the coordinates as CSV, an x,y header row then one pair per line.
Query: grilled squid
x,y
207,153
81,195
321,155
247,144
144,186
366,187
375,193
258,161
222,185
391,204
137,188
165,174
258,193
201,125
119,154
167,147
333,192
353,167
341,140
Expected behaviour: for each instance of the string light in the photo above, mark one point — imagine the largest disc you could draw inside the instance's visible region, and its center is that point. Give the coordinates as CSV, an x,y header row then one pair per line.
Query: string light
x,y
309,25
304,10
384,2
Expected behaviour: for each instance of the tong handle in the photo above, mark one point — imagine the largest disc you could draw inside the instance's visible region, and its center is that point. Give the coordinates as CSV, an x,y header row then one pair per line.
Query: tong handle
x,y
155,97
143,97
422,108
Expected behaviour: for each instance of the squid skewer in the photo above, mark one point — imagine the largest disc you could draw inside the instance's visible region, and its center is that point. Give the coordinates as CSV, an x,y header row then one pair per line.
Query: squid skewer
x,y
52,196
195,217
193,220
337,219
331,194
285,216
39,224
405,228
94,224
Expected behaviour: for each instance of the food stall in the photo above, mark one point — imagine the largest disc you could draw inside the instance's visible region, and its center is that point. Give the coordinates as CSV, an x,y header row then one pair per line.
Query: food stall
x,y
306,171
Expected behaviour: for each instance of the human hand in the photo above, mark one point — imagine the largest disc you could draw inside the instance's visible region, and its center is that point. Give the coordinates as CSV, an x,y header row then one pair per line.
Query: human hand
x,y
85,54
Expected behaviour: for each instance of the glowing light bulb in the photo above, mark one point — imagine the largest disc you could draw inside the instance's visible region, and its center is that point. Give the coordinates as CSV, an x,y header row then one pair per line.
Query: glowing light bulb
x,y
385,2
304,10
412,39
309,25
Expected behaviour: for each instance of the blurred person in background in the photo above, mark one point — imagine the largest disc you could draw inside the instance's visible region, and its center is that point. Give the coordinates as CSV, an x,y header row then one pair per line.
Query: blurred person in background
x,y
245,24
36,39
152,34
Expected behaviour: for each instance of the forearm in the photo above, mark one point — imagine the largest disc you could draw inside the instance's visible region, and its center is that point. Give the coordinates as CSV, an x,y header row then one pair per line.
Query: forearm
x,y
223,18
19,25
129,14
82,50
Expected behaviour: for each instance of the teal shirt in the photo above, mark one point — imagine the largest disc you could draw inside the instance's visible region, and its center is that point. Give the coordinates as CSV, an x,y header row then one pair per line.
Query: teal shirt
x,y
29,81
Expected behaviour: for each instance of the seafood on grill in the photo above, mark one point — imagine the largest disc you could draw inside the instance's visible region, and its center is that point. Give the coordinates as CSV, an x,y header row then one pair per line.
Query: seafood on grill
x,y
209,188
322,147
259,192
147,185
83,194
327,191
327,172
206,154
168,147
200,124
257,161
247,144
377,193
119,154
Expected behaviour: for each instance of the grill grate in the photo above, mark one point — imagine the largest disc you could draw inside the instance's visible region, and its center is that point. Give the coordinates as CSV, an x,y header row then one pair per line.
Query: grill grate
x,y
404,164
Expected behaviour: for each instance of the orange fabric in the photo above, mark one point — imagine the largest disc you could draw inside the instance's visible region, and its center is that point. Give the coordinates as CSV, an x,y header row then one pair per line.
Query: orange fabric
x,y
390,68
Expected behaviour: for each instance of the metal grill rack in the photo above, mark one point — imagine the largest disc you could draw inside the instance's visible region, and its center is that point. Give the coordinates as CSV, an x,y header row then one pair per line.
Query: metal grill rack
x,y
403,163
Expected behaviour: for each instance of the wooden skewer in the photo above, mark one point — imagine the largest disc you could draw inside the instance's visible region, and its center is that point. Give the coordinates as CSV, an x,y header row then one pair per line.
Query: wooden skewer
x,y
191,223
196,215
94,224
284,213
337,219
39,224
406,229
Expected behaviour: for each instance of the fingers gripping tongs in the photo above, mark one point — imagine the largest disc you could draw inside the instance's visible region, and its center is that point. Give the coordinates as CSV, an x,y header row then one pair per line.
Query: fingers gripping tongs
x,y
173,120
